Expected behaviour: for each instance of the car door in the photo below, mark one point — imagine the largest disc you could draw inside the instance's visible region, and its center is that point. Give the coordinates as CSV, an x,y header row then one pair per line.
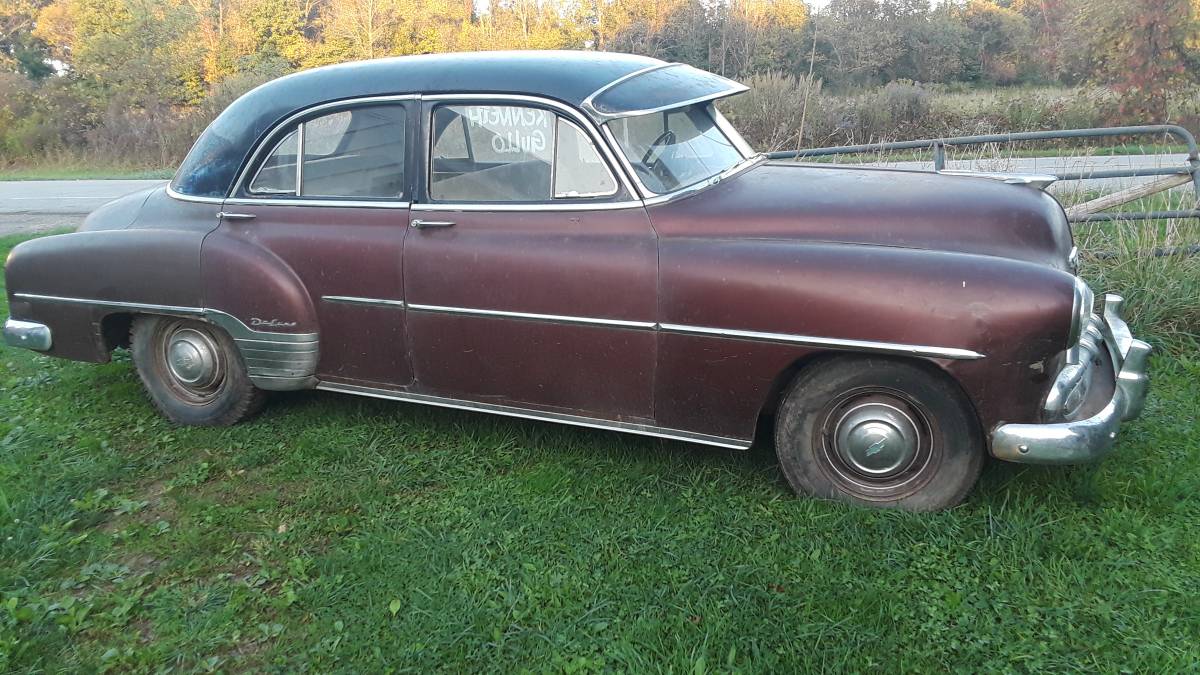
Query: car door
x,y
530,269
337,219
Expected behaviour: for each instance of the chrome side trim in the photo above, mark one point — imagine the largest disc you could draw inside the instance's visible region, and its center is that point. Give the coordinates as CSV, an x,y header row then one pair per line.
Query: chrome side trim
x,y
510,206
832,343
27,334
541,416
355,300
114,304
277,361
326,203
553,318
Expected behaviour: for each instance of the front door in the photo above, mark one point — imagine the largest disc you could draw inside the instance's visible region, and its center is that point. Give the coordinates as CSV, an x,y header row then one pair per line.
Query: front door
x,y
337,219
530,271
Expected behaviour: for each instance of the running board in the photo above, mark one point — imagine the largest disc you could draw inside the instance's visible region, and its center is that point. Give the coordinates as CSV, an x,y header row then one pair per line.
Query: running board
x,y
539,415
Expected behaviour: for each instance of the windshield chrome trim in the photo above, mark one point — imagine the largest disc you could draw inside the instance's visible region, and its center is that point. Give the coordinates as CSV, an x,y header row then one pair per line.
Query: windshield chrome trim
x,y
650,197
538,415
705,184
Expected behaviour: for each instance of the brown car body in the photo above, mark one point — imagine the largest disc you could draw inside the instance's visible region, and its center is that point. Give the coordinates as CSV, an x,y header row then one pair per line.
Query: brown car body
x,y
682,315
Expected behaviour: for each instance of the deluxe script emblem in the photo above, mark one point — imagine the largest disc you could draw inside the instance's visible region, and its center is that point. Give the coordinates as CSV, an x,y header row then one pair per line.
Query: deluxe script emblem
x,y
271,323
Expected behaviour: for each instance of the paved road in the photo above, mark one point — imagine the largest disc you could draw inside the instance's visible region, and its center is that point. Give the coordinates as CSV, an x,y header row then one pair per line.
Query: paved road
x,y
33,206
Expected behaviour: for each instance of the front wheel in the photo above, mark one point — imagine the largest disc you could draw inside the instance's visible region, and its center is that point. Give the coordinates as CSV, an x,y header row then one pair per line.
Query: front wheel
x,y
878,432
192,371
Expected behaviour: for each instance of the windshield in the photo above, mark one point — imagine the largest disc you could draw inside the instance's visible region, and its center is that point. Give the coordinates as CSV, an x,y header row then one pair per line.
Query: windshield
x,y
675,148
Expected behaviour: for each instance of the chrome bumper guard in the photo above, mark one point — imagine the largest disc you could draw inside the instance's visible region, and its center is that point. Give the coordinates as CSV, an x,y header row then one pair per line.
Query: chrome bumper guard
x,y
27,334
1086,440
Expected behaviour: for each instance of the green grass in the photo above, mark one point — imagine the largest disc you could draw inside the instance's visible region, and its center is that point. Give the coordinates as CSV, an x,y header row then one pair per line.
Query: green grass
x,y
342,534
82,173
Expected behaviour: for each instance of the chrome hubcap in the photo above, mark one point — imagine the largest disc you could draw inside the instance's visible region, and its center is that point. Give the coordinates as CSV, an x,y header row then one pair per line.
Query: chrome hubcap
x,y
193,359
876,439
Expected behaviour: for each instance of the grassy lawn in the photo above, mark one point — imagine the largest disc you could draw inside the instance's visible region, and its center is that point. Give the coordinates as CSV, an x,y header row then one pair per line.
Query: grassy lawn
x,y
342,534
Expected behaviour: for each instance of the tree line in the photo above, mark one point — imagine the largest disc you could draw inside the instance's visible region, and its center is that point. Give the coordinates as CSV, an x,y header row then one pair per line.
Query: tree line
x,y
68,67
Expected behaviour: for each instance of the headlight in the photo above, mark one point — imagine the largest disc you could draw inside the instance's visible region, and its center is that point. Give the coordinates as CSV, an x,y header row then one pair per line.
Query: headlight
x,y
1081,311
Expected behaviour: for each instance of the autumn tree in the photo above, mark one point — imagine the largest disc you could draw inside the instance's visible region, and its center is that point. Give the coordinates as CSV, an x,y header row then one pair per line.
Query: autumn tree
x,y
1142,51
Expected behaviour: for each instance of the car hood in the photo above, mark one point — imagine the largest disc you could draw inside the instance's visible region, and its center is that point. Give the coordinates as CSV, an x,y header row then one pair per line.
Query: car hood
x,y
883,207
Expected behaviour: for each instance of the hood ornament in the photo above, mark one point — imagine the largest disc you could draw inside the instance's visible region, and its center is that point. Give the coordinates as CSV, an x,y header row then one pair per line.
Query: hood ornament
x,y
1036,181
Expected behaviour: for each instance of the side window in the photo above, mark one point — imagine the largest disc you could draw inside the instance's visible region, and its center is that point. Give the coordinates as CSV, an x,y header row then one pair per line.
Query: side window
x,y
578,169
357,153
277,175
498,153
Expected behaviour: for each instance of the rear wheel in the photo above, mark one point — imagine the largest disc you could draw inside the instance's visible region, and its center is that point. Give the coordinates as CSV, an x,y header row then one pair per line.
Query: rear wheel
x,y
192,371
878,432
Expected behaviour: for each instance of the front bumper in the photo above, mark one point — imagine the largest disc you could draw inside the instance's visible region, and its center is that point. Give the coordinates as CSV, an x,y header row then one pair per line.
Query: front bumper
x,y
27,334
1086,440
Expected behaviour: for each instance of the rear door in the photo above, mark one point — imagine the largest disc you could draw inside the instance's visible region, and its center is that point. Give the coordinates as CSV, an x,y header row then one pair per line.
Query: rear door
x,y
337,219
530,270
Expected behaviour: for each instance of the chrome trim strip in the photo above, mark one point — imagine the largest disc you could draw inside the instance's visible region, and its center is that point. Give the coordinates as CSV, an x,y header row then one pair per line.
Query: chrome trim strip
x,y
325,203
510,206
169,309
299,160
697,187
355,300
227,320
587,102
832,343
525,413
27,334
554,318
189,198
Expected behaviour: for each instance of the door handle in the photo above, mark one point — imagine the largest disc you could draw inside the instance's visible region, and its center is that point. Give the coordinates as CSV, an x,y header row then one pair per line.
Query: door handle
x,y
419,224
225,215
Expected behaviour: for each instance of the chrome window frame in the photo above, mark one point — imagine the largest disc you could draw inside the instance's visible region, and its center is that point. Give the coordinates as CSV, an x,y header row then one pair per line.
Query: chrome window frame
x,y
563,204
554,169
281,130
296,190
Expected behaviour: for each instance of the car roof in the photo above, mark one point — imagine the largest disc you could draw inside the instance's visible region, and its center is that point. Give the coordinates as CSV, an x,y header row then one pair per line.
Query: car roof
x,y
571,77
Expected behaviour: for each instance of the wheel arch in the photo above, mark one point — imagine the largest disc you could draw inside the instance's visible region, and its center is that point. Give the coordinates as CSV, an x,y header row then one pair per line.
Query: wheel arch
x,y
784,380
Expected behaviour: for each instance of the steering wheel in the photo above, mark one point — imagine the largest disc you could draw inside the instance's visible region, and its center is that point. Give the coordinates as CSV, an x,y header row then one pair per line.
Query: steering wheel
x,y
654,152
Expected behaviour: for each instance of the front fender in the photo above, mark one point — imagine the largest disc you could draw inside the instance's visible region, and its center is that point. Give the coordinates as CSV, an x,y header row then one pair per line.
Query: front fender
x,y
1013,313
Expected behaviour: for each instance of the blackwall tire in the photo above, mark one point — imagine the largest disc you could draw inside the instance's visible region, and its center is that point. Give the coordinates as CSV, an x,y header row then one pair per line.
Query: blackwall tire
x,y
879,432
192,371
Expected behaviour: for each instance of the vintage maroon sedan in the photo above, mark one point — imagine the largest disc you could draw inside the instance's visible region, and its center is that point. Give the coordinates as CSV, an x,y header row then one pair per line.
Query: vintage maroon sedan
x,y
583,238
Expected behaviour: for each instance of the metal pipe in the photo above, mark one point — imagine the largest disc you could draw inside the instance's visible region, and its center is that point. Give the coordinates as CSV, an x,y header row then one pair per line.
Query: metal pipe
x,y
1135,215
